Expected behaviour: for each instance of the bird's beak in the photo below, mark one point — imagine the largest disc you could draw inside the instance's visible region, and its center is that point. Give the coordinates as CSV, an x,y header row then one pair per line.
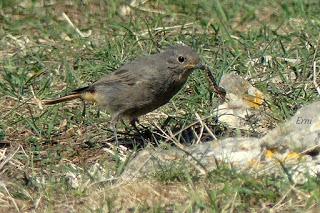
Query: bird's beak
x,y
196,66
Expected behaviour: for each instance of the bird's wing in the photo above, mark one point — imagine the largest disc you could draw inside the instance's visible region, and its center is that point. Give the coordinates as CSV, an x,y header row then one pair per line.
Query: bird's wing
x,y
143,70
122,76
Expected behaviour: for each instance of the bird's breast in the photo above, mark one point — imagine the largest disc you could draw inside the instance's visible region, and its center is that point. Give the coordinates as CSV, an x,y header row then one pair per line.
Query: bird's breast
x,y
168,89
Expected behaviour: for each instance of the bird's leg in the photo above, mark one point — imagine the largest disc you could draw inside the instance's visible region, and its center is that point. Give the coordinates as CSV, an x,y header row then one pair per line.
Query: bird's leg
x,y
133,122
166,122
84,108
145,133
114,129
113,126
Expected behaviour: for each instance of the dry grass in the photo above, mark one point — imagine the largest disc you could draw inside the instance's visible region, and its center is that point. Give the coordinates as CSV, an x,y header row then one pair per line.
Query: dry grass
x,y
54,159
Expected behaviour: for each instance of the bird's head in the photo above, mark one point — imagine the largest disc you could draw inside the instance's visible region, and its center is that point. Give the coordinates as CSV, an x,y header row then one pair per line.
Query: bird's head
x,y
182,60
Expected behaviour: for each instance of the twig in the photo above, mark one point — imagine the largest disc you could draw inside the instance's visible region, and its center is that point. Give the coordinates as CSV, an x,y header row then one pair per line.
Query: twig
x,y
283,197
10,196
37,202
192,124
3,153
145,32
201,130
233,202
122,158
198,165
315,67
37,100
207,128
126,9
145,9
22,46
7,159
201,168
22,102
309,149
83,35
316,85
134,3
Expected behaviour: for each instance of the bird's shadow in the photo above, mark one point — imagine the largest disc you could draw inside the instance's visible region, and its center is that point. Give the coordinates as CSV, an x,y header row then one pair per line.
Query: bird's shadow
x,y
141,136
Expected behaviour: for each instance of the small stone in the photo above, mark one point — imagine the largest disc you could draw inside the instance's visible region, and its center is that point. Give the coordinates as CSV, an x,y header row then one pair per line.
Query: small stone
x,y
73,180
243,103
125,10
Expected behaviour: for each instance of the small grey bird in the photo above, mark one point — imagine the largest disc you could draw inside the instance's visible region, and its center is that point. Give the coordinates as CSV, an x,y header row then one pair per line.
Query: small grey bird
x,y
140,86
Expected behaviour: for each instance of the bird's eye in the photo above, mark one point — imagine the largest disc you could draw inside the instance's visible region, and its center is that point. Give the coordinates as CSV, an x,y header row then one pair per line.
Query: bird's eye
x,y
181,59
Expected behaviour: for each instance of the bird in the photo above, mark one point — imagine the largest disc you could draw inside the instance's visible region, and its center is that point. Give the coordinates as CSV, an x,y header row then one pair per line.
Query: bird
x,y
141,85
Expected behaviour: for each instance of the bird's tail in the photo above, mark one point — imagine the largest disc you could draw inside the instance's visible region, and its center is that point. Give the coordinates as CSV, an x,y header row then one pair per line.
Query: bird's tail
x,y
78,93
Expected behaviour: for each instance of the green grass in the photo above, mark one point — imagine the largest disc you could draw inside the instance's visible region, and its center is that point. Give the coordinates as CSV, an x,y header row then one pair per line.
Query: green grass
x,y
42,55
